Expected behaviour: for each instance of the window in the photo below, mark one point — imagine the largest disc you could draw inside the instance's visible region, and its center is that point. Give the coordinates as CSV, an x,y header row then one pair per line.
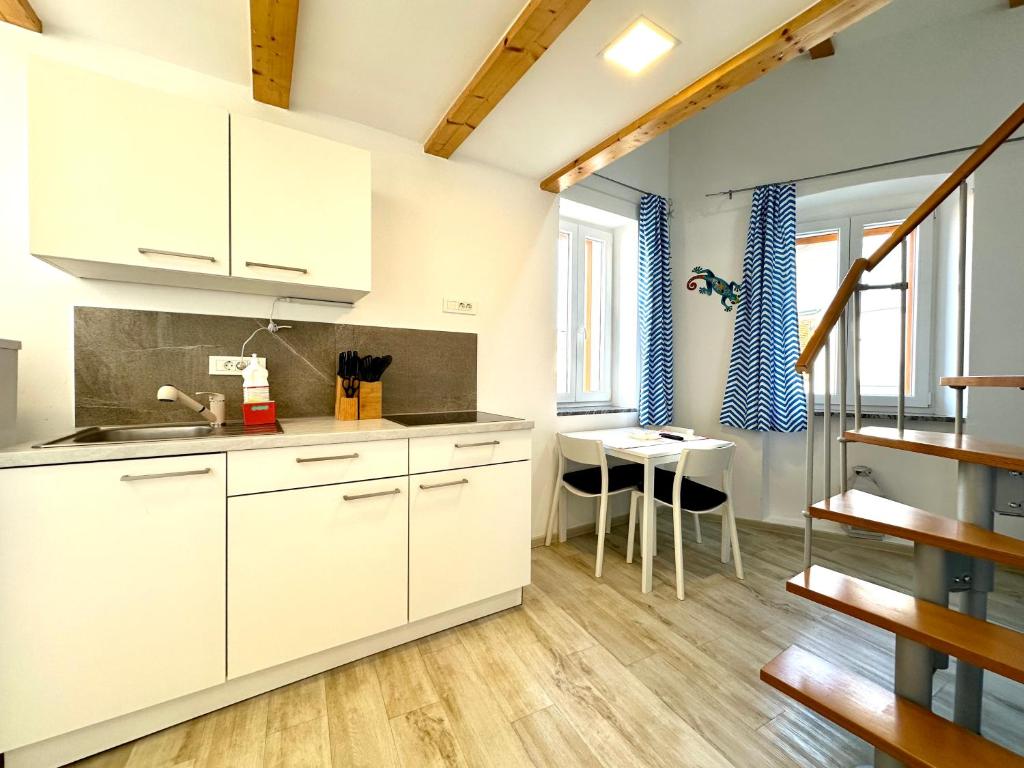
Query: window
x,y
584,313
825,251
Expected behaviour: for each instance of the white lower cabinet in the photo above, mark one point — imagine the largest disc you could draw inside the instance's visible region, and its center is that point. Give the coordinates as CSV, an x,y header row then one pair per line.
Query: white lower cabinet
x,y
469,536
125,585
314,568
111,590
279,469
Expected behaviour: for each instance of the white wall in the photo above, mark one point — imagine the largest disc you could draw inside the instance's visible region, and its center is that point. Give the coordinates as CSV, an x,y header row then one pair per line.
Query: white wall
x,y
440,228
904,82
996,341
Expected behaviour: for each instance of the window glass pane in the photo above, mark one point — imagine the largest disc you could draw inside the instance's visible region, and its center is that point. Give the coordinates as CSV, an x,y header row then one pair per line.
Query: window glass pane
x,y
564,317
595,345
817,280
880,315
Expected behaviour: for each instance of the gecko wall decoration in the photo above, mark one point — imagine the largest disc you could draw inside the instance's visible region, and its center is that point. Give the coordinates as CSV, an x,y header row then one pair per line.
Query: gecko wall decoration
x,y
728,290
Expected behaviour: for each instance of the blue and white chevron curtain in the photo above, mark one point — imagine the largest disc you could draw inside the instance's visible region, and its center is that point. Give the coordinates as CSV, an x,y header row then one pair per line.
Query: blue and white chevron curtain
x,y
655,308
763,392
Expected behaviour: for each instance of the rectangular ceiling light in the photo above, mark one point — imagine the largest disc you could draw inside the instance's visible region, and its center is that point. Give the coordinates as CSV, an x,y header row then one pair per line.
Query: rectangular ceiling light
x,y
643,43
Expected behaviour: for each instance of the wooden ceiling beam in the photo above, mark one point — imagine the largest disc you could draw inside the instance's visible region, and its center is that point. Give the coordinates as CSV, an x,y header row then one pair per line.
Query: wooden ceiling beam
x,y
20,13
797,36
273,24
823,50
533,32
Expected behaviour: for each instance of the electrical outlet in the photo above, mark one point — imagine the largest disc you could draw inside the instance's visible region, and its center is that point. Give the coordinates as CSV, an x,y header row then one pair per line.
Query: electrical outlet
x,y
459,306
231,366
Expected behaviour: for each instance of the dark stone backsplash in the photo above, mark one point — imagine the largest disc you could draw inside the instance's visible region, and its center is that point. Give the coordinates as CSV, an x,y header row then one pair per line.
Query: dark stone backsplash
x,y
123,356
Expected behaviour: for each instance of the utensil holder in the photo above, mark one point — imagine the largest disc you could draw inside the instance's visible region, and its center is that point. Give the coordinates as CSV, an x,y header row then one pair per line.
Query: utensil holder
x,y
370,397
345,408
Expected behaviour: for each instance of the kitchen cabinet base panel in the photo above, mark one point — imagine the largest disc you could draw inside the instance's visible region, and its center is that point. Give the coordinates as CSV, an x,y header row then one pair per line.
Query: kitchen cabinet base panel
x,y
129,273
69,747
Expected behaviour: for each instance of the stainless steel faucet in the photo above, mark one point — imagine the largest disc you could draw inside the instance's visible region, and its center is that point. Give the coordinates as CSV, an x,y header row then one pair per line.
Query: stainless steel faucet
x,y
214,413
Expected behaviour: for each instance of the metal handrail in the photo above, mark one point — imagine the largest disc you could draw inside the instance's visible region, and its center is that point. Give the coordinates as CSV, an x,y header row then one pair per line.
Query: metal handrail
x,y
912,222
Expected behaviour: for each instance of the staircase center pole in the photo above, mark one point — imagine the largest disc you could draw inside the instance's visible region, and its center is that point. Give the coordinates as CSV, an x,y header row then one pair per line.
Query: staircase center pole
x,y
975,505
914,662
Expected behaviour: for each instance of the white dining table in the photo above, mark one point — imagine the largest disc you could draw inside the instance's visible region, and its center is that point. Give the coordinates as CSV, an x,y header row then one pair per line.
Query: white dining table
x,y
622,444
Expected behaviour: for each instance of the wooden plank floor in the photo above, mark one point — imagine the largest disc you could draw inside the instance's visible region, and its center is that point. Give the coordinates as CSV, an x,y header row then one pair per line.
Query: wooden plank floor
x,y
590,673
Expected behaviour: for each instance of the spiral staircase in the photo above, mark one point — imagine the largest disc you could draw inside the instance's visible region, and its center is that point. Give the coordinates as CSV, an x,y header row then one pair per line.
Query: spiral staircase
x,y
951,557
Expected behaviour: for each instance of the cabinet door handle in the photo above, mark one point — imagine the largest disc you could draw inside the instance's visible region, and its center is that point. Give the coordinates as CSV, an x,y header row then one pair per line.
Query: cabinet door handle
x,y
425,487
302,270
186,473
477,445
158,252
358,496
327,458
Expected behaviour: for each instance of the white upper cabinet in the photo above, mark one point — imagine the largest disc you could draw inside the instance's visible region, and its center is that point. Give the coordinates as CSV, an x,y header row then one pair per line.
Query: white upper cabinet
x,y
132,184
125,175
300,207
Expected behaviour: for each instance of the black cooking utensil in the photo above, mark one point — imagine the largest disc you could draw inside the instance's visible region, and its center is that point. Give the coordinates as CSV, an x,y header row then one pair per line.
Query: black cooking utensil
x,y
349,372
348,364
381,365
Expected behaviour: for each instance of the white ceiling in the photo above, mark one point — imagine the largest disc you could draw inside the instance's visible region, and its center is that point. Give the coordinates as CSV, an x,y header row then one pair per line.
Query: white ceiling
x,y
398,64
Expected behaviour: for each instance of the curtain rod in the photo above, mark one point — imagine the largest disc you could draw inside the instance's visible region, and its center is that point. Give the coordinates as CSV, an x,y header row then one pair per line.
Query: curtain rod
x,y
623,184
731,192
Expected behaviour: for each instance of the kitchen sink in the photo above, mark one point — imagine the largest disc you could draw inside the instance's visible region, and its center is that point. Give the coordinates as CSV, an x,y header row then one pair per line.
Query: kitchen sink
x,y
144,433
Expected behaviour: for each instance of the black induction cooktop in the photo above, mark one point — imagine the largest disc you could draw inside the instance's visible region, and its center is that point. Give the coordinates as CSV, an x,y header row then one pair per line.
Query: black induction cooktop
x,y
446,417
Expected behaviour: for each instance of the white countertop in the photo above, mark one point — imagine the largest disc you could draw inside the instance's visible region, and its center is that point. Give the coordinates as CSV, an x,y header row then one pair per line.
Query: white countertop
x,y
313,431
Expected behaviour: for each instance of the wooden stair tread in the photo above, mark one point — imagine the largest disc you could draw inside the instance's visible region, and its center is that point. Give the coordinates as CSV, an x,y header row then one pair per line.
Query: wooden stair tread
x,y
960,447
875,513
959,382
977,642
895,725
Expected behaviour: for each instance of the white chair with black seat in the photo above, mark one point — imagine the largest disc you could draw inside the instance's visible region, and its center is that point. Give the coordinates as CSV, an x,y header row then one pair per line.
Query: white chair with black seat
x,y
675,489
596,481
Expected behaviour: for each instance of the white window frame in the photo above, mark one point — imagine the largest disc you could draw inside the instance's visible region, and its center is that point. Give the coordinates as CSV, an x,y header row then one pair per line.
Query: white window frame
x,y
851,234
578,232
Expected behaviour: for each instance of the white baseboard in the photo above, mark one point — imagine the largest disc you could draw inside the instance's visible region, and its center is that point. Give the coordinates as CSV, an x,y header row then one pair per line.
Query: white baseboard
x,y
831,530
577,530
69,747
824,528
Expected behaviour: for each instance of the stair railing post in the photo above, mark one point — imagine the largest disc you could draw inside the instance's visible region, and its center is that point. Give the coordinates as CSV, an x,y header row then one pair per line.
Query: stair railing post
x,y
842,399
901,394
857,404
809,475
826,424
961,308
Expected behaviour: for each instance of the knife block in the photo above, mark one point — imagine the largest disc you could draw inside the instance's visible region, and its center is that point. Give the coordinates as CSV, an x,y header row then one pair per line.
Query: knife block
x,y
345,408
370,398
